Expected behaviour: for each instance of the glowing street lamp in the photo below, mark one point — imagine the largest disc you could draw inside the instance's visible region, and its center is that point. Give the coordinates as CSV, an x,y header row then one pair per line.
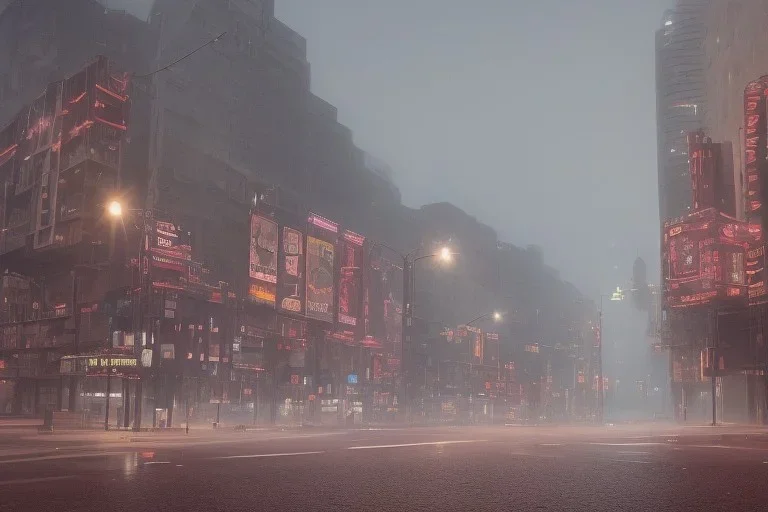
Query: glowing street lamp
x,y
444,255
115,209
497,316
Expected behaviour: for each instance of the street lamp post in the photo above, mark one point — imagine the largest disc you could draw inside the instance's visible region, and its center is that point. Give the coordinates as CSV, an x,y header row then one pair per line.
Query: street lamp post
x,y
497,316
409,261
600,385
616,296
115,210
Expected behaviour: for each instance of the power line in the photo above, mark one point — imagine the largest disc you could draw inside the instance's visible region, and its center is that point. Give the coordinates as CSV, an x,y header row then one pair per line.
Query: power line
x,y
184,57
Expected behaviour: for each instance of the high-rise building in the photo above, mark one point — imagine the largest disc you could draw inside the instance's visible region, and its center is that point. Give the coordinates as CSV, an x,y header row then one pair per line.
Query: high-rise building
x,y
734,58
680,100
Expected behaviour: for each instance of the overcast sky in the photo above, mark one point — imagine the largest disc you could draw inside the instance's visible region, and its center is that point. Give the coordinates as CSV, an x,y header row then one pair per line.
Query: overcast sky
x,y
536,116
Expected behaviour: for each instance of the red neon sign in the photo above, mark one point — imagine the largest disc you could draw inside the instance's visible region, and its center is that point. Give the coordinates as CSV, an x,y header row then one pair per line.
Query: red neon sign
x,y
323,223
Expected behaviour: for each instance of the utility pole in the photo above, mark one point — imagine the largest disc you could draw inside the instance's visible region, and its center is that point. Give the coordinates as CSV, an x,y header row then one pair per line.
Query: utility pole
x,y
600,391
144,284
109,392
74,380
714,329
409,262
255,392
407,320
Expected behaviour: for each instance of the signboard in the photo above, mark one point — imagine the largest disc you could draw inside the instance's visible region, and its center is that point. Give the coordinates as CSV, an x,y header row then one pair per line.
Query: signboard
x,y
319,276
478,346
116,366
323,223
146,357
351,279
291,268
263,260
755,143
111,362
171,241
705,259
352,378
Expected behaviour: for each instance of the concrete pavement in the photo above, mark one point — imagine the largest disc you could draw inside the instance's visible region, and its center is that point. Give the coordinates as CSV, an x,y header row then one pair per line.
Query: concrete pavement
x,y
545,468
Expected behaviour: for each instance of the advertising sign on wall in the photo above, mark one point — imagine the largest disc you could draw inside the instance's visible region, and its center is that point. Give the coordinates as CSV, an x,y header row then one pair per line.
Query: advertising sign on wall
x,y
291,268
755,142
263,260
319,286
351,279
171,241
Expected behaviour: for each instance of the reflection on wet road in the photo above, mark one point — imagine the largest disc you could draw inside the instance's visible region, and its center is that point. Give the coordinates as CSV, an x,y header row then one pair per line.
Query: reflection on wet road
x,y
419,469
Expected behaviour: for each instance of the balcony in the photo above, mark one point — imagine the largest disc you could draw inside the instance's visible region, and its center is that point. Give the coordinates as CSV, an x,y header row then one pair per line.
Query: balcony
x,y
71,207
15,236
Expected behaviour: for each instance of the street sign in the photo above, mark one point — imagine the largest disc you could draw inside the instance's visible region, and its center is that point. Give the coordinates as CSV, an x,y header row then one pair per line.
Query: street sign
x,y
146,357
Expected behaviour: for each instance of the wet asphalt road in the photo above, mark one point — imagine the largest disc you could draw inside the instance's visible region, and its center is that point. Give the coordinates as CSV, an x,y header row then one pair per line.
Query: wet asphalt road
x,y
447,469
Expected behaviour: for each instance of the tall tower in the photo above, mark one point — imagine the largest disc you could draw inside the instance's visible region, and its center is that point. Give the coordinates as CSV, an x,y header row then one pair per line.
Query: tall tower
x,y
680,101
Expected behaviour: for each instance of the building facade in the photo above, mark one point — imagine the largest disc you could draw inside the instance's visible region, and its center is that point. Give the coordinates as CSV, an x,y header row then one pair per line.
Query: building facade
x,y
219,163
735,55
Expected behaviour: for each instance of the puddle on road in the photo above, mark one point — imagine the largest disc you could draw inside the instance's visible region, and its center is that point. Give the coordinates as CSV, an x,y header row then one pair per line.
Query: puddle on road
x,y
136,462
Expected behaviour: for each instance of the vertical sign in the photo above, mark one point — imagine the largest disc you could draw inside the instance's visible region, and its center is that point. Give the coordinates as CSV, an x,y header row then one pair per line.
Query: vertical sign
x,y
478,346
350,279
320,261
291,288
263,260
376,325
754,160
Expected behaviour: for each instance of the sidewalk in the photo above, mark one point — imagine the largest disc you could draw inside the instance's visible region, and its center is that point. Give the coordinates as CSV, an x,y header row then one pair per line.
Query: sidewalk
x,y
15,422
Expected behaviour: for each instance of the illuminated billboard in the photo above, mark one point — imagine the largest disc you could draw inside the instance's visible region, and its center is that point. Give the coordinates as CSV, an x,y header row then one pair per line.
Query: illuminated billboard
x,y
705,257
320,279
262,268
756,167
754,147
171,241
350,279
291,270
755,272
477,346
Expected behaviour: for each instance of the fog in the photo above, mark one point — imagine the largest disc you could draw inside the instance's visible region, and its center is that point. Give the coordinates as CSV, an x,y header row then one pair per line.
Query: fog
x,y
537,117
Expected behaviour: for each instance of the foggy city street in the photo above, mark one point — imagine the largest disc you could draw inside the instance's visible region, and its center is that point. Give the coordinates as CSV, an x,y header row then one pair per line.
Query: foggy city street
x,y
362,255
